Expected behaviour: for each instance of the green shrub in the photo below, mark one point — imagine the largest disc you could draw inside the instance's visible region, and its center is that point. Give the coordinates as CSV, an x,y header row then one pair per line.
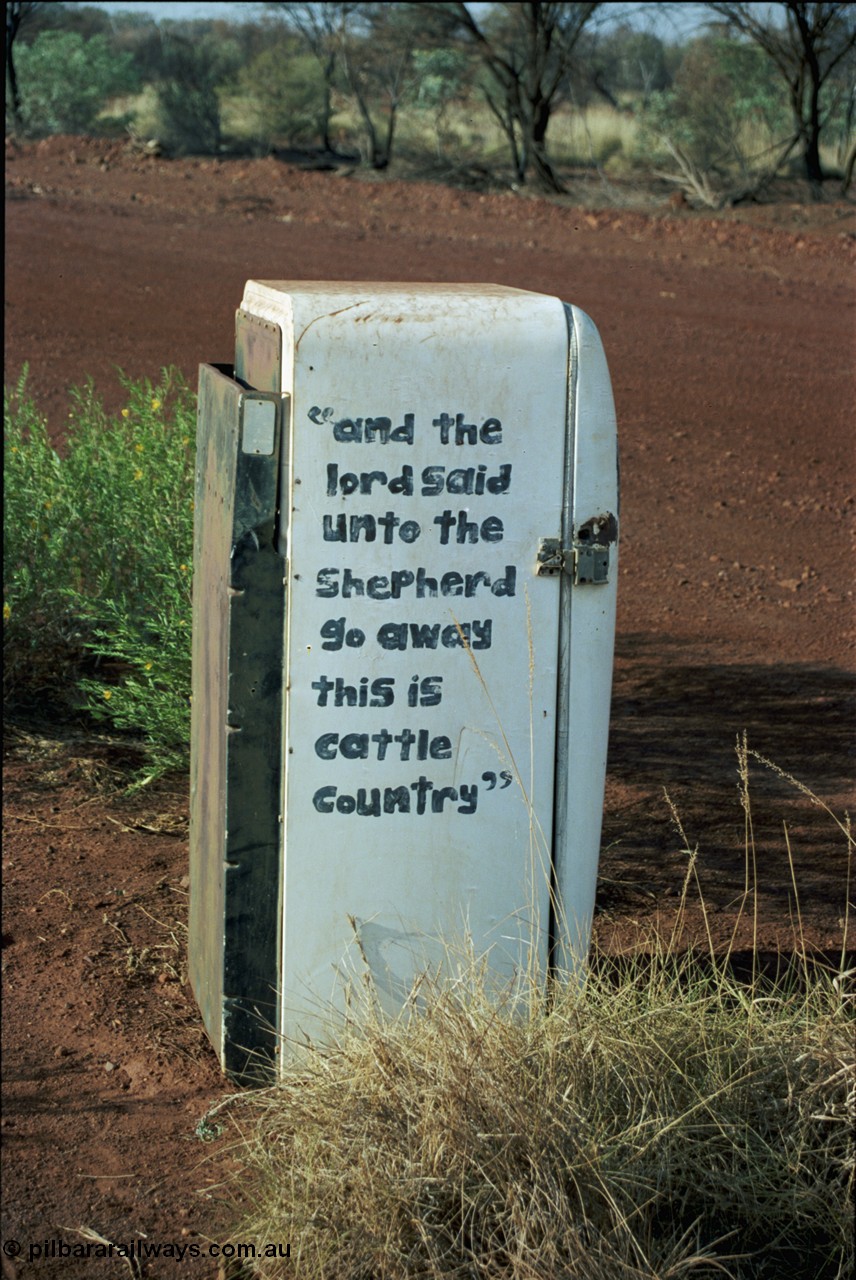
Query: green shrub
x,y
725,110
287,93
98,548
65,80
189,101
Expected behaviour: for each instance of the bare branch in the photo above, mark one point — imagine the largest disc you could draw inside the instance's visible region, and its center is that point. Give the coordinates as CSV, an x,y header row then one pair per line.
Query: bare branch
x,y
806,45
527,50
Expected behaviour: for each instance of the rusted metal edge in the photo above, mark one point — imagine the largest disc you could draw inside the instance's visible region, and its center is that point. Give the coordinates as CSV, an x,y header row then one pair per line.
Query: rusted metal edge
x,y
258,352
236,750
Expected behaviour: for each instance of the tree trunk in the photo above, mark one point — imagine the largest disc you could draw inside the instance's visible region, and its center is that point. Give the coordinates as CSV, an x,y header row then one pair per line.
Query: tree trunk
x,y
13,20
813,167
809,120
537,148
329,70
506,121
390,133
13,88
848,172
368,125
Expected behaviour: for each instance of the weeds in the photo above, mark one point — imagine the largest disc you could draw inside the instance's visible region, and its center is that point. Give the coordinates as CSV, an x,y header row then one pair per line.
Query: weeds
x,y
98,548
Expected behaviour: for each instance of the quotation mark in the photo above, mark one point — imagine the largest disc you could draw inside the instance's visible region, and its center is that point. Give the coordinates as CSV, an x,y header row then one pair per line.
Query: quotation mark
x,y
490,779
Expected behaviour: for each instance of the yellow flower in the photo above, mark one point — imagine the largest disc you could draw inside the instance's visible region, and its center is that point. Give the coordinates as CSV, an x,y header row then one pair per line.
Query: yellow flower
x,y
148,666
7,611
185,440
48,505
139,448
108,694
15,447
183,568
126,413
156,404
138,475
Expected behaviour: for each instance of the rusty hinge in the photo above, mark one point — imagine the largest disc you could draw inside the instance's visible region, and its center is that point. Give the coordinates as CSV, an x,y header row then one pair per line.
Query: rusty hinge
x,y
587,562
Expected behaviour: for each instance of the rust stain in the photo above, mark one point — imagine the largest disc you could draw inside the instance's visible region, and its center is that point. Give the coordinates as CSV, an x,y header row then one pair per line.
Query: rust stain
x,y
327,315
601,530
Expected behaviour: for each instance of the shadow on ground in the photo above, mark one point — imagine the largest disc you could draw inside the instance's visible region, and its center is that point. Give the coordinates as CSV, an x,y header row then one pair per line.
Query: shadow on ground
x,y
676,722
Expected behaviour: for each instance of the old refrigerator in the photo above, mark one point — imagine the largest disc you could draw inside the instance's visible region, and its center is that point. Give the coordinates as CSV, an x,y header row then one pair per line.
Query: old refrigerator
x,y
405,578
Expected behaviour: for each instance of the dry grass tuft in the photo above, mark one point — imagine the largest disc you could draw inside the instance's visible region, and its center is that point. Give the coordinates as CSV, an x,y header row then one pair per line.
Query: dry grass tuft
x,y
655,1119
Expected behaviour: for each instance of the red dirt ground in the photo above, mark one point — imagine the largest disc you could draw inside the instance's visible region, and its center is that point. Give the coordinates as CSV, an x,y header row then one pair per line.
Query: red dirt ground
x,y
730,341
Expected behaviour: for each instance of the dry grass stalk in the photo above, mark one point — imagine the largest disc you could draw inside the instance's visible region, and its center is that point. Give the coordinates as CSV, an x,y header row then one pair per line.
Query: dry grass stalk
x,y
658,1119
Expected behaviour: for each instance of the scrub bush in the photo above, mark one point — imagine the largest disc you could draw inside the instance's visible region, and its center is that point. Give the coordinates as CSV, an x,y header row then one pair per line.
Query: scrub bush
x,y
188,88
98,546
286,95
66,80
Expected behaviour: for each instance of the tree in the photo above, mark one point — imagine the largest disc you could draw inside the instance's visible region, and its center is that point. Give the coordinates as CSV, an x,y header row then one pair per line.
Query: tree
x,y
445,77
65,81
376,48
365,50
806,45
18,13
724,123
286,89
526,50
319,27
194,64
623,61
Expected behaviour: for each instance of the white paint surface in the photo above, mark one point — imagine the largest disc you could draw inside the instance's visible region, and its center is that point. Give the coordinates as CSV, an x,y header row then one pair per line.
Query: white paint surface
x,y
420,884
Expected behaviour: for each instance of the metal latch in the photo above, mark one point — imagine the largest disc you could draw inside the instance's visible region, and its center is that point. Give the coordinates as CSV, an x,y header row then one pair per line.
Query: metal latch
x,y
591,563
551,557
587,562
